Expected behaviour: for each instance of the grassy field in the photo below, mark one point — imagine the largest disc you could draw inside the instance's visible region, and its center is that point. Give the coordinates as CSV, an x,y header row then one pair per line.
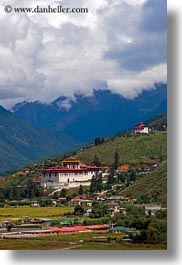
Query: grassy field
x,y
82,241
121,246
131,150
10,213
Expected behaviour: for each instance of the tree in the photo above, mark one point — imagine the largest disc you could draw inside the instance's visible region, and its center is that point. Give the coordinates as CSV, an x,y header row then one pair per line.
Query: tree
x,y
80,192
99,140
79,210
121,177
96,182
132,176
32,189
96,161
99,187
55,196
92,184
111,175
116,160
63,193
98,210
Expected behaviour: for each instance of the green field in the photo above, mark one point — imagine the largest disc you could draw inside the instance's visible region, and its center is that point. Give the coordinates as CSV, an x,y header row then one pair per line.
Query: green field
x,y
10,213
82,241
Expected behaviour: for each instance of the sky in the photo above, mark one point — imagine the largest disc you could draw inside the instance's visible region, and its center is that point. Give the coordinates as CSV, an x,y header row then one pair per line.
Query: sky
x,y
118,45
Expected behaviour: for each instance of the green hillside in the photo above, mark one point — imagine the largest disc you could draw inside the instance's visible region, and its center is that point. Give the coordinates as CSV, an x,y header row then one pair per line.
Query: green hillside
x,y
150,188
21,144
131,150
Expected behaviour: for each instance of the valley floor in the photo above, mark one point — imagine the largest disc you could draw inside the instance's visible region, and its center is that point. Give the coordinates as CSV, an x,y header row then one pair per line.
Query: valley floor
x,y
62,244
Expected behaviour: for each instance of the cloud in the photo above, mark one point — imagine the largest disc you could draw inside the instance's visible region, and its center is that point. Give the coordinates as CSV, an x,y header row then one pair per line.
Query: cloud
x,y
154,17
130,86
119,45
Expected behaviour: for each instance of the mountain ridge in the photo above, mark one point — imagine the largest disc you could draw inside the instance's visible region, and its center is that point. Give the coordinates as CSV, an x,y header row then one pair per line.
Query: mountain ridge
x,y
96,115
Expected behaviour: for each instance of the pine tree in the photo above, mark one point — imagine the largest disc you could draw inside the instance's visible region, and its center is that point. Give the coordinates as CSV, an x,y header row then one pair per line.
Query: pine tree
x,y
111,175
96,182
80,192
92,184
99,182
116,160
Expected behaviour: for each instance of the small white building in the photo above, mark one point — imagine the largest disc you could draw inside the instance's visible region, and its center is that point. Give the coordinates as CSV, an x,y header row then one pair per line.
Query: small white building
x,y
35,203
152,209
141,129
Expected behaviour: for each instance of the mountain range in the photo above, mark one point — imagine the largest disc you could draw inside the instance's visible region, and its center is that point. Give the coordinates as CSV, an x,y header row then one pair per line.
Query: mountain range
x,y
33,130
102,114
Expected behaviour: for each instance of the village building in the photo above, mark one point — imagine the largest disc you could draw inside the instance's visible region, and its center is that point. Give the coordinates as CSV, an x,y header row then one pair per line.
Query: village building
x,y
82,200
35,203
123,168
141,129
151,210
72,173
113,200
120,229
115,209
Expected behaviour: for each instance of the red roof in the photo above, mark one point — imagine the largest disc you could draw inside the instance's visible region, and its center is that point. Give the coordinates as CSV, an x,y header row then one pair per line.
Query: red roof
x,y
64,169
101,195
78,228
123,167
69,228
80,197
140,126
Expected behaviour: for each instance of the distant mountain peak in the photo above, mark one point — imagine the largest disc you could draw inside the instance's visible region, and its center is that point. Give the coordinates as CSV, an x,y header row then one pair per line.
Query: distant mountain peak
x,y
19,105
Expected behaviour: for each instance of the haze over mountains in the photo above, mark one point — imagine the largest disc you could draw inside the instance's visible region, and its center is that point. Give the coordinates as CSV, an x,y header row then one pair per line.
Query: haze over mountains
x,y
34,130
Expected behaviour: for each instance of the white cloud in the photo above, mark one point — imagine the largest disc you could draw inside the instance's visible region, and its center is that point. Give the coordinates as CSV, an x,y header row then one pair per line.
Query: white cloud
x,y
44,56
134,83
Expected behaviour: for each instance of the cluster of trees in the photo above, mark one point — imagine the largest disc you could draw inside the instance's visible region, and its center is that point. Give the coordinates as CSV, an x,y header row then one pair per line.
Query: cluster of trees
x,y
152,228
96,183
98,210
155,230
32,189
113,177
99,140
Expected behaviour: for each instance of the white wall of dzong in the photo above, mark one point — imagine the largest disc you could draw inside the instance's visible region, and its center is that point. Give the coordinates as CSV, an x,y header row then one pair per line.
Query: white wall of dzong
x,y
66,177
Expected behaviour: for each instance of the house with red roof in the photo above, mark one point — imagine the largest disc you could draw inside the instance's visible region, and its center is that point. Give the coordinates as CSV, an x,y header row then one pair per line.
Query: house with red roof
x,y
141,129
123,167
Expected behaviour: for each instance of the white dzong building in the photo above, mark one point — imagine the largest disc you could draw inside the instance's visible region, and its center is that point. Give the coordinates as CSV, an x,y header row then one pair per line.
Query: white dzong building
x,y
72,174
